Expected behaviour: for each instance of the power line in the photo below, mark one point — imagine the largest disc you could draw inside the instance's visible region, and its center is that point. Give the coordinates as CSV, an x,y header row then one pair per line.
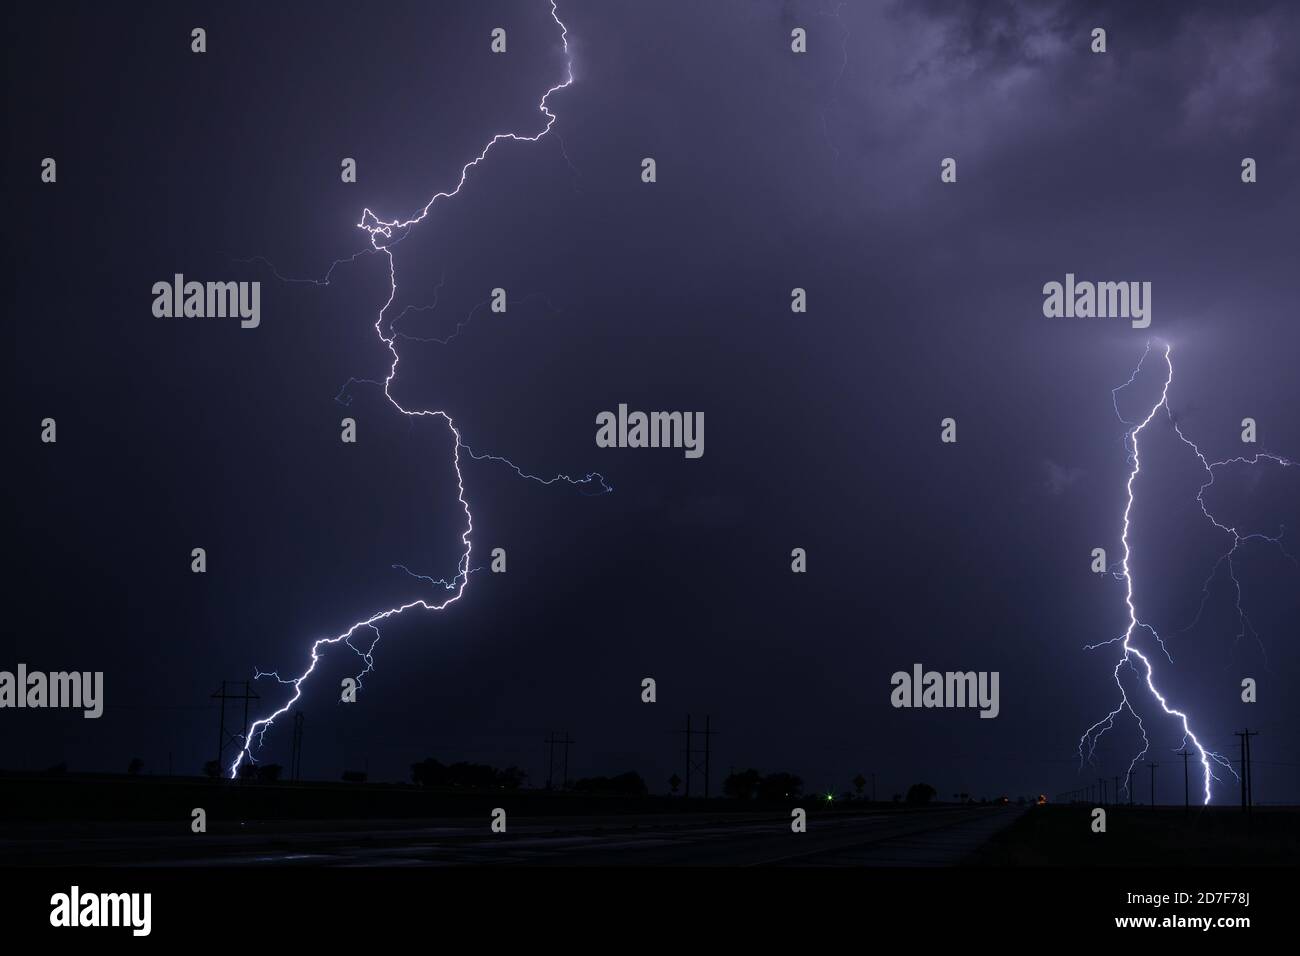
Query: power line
x,y
1247,796
692,754
551,742
1186,792
295,762
222,735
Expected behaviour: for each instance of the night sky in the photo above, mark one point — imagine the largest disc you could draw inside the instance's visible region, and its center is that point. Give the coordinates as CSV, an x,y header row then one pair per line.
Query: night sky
x,y
775,170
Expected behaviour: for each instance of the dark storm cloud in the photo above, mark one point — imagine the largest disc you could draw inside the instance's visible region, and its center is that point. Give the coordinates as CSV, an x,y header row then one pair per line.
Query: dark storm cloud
x,y
775,170
1013,67
1221,67
1059,478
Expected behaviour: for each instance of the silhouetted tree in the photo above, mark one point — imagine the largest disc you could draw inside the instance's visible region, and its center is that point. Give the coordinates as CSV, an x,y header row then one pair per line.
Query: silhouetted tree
x,y
674,781
858,783
742,785
268,772
212,770
471,775
135,766
919,794
779,786
631,783
428,773
512,778
432,773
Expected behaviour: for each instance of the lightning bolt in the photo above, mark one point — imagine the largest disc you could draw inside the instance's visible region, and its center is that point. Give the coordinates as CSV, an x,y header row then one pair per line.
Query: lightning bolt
x,y
383,235
1132,658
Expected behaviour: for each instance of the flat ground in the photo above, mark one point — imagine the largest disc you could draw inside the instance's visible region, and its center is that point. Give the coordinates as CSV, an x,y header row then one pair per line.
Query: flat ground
x,y
933,837
1145,836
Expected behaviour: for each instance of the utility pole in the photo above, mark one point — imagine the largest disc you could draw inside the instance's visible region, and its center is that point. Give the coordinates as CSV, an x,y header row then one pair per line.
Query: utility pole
x,y
688,755
691,753
1250,777
708,750
223,696
708,735
550,742
1247,796
221,734
295,762
1187,805
1242,776
248,695
1153,783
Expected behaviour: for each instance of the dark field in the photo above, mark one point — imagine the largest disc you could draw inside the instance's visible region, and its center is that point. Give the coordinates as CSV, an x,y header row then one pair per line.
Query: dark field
x,y
1142,836
77,820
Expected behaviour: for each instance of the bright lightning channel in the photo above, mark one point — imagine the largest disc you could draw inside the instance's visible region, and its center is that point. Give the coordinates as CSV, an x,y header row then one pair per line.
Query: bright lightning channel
x,y
383,235
1143,668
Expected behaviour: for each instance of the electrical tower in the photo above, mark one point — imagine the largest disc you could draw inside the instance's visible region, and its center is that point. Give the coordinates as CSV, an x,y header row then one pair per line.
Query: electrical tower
x,y
295,762
1247,793
223,736
551,742
1187,803
693,753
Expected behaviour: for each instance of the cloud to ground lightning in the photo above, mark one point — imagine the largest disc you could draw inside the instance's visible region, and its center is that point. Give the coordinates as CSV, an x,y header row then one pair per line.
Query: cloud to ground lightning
x,y
1133,660
383,235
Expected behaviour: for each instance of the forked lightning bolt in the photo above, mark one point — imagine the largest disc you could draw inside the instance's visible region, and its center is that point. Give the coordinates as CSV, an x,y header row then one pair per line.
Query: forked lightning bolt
x,y
1132,658
383,235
